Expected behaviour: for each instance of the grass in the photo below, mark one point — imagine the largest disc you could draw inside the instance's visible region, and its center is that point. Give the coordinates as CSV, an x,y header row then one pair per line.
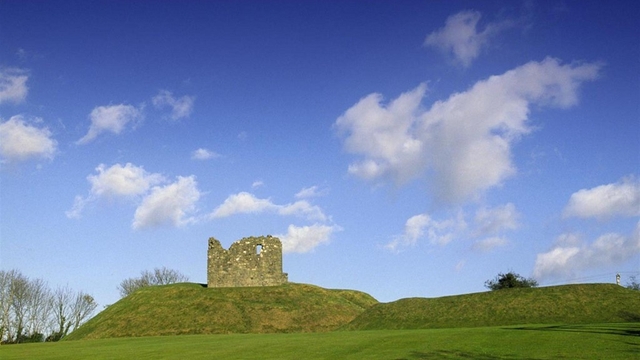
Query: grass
x,y
568,304
182,309
586,341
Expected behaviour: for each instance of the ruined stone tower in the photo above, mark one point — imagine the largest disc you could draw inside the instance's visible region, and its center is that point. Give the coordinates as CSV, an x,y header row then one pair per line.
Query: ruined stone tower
x,y
252,261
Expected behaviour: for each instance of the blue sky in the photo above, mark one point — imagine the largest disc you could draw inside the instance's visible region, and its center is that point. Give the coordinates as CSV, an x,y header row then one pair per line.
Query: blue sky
x,y
398,148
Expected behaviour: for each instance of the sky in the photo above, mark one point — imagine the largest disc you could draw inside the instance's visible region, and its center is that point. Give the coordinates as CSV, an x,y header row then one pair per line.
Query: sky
x,y
404,149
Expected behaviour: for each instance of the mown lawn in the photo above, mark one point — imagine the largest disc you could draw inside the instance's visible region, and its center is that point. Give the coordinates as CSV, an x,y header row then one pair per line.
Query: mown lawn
x,y
593,341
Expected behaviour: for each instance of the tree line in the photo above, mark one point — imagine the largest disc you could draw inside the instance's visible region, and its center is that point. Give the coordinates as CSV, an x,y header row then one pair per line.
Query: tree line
x,y
30,311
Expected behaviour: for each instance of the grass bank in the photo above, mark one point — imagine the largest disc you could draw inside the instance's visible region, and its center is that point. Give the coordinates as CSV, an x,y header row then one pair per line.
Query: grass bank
x,y
586,341
566,304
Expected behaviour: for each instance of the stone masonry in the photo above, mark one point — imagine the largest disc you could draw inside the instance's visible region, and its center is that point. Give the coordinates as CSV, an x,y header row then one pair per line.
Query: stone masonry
x,y
251,261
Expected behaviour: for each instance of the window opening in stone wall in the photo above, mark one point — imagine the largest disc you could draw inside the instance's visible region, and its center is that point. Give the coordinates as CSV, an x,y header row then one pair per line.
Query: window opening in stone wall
x,y
258,249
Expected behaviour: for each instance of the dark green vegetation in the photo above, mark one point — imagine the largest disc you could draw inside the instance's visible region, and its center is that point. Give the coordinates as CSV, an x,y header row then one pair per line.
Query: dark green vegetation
x,y
567,304
187,308
604,341
510,280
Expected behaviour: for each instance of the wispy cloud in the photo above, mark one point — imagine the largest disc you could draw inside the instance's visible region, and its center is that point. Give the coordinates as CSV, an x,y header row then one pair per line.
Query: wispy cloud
x,y
311,192
489,243
21,141
491,221
112,118
437,232
13,85
465,140
487,229
204,154
180,107
461,38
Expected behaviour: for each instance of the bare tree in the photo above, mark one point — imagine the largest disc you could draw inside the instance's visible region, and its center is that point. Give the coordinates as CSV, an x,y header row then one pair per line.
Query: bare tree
x,y
166,276
81,309
159,276
61,311
633,283
39,305
6,277
28,309
19,296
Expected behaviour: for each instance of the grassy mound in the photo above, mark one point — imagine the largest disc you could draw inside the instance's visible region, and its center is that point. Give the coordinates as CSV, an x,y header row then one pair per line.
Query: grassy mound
x,y
568,304
193,309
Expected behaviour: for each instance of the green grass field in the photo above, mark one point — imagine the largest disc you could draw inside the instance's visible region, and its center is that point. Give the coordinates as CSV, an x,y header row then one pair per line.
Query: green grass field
x,y
586,341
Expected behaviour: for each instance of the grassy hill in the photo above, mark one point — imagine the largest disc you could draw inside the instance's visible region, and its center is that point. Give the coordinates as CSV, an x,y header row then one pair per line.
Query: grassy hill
x,y
567,304
193,309
297,308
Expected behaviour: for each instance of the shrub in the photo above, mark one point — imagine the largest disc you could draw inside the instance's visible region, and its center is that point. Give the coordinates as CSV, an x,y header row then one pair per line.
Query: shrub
x,y
510,280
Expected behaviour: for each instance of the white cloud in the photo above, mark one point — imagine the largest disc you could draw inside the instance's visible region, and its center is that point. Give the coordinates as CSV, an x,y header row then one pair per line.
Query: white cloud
x,y
465,140
490,243
204,154
301,239
79,203
242,203
112,118
493,221
180,108
555,262
247,203
168,205
13,85
20,141
119,180
461,38
438,232
488,224
257,184
606,201
310,192
116,181
385,135
302,208
569,257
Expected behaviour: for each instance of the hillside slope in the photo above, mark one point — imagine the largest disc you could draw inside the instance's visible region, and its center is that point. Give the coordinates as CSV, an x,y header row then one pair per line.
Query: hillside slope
x,y
193,309
573,304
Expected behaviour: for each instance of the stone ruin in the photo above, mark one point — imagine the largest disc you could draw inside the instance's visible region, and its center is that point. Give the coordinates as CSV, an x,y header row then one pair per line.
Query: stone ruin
x,y
251,261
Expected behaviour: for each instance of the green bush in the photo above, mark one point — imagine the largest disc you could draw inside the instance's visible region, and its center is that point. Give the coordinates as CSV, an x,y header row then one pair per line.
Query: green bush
x,y
510,280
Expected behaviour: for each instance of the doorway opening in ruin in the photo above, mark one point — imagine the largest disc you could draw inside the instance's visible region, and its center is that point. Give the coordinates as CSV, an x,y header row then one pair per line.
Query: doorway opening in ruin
x,y
258,249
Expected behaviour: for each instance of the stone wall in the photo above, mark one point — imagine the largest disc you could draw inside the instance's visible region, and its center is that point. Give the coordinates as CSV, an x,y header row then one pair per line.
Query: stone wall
x,y
252,261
